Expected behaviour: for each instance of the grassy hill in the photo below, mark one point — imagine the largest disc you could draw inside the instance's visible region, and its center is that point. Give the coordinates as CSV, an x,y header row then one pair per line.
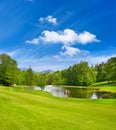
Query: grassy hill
x,y
22,109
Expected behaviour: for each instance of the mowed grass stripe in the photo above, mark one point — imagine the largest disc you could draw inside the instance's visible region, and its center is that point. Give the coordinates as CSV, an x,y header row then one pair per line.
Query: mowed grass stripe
x,y
27,111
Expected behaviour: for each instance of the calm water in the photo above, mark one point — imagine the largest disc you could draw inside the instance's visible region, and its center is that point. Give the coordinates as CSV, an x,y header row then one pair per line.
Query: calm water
x,y
78,92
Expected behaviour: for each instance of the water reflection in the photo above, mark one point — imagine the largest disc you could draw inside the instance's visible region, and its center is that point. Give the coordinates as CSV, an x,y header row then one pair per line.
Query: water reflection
x,y
37,88
80,92
94,96
77,92
56,91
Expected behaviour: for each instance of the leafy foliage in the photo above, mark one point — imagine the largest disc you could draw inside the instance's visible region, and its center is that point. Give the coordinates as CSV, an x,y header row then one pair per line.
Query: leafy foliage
x,y
110,69
107,71
80,74
29,78
9,72
41,80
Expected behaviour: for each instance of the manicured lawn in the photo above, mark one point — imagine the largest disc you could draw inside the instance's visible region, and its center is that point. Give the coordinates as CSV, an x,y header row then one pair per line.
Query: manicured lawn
x,y
22,109
109,89
105,86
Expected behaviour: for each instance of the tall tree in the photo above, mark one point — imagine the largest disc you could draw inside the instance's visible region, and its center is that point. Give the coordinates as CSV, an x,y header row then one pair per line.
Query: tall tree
x,y
29,77
41,80
79,74
110,68
9,72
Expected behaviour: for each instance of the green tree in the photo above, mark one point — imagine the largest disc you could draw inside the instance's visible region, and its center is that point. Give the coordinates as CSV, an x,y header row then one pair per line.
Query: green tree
x,y
79,74
50,78
101,74
9,72
58,79
110,68
84,74
29,77
41,80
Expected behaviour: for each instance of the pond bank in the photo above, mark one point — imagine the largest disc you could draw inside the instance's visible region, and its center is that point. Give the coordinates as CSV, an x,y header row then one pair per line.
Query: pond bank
x,y
79,92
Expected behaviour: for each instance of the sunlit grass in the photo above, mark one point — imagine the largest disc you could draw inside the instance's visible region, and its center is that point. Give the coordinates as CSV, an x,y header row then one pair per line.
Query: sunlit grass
x,y
22,109
104,84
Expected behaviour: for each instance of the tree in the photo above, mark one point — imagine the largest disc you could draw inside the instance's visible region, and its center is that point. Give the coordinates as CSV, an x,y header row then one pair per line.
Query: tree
x,y
106,71
29,77
101,74
58,79
79,74
110,68
41,80
9,72
50,78
84,74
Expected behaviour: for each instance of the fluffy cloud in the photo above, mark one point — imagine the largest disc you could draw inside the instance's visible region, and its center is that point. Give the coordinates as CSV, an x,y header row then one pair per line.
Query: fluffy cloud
x,y
66,37
70,51
49,19
86,37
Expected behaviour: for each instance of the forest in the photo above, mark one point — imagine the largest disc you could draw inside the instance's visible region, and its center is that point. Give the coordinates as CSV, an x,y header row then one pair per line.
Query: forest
x,y
81,74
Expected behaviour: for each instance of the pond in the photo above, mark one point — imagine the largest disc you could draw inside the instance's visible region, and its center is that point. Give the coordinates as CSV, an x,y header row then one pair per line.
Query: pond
x,y
89,93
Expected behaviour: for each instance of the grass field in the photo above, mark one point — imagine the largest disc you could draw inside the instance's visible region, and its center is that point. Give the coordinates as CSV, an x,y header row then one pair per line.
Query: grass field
x,y
105,86
22,109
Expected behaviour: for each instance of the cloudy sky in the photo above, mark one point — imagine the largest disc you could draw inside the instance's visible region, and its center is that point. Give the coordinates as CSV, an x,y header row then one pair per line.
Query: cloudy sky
x,y
54,34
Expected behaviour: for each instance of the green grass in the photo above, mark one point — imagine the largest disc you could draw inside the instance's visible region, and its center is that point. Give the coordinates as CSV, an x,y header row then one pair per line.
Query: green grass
x,y
108,89
105,86
22,109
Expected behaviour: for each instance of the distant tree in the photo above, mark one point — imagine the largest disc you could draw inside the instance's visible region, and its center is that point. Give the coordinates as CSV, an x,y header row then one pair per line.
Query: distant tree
x,y
110,68
29,77
41,80
106,71
101,73
58,79
50,78
9,72
79,74
84,74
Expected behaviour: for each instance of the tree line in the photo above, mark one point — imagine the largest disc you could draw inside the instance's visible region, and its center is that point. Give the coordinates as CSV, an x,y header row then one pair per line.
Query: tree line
x,y
80,74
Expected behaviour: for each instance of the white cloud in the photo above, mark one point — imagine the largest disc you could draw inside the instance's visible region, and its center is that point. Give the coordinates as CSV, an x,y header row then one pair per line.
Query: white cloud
x,y
33,41
41,19
49,19
85,37
70,51
66,37
52,20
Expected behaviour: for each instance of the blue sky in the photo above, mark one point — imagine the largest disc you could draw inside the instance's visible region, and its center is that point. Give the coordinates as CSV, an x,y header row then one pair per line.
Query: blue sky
x,y
48,34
